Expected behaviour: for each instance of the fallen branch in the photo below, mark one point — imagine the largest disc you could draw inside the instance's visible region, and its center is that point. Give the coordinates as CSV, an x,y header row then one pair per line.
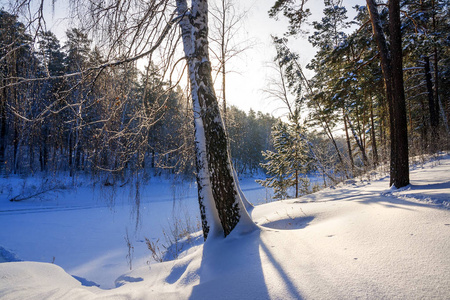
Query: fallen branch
x,y
20,197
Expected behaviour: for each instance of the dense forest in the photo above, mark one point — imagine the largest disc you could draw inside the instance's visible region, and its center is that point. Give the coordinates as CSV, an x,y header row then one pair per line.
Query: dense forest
x,y
384,108
55,119
72,108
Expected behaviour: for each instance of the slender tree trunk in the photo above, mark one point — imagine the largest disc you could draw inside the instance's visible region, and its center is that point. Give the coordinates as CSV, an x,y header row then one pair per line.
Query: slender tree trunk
x,y
30,155
439,106
373,134
333,141
223,64
221,206
358,142
357,130
296,183
436,82
410,116
349,146
15,144
363,137
432,108
79,156
436,64
3,123
70,158
424,129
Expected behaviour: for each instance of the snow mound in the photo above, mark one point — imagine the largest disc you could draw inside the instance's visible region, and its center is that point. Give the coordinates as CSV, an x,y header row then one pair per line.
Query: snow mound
x,y
33,280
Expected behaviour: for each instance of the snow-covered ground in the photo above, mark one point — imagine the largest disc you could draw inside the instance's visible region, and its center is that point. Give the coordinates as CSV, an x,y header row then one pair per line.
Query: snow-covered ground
x,y
84,228
359,240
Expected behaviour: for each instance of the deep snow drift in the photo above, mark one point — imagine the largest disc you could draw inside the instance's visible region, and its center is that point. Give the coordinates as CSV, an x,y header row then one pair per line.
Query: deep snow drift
x,y
360,240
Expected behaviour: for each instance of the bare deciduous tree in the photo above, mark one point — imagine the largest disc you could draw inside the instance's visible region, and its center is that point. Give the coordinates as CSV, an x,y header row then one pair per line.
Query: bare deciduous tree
x,y
127,31
225,28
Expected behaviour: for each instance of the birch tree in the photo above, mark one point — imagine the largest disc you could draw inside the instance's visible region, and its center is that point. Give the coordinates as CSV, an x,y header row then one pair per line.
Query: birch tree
x,y
131,30
221,204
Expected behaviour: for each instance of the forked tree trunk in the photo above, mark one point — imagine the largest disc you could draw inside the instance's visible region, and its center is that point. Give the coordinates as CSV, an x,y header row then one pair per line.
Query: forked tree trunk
x,y
358,142
221,206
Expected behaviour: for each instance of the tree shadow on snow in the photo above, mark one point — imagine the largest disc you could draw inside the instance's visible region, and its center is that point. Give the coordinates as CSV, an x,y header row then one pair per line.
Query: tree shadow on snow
x,y
290,223
402,201
405,198
437,193
339,194
290,291
232,269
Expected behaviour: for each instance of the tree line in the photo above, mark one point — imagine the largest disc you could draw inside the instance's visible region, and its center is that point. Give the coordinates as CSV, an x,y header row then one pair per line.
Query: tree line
x,y
58,119
381,78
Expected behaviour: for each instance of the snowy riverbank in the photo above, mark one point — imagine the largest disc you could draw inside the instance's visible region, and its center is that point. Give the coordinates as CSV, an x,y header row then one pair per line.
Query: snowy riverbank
x,y
360,240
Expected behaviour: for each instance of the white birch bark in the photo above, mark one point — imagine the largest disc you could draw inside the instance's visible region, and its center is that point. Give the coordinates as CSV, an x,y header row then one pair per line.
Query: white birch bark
x,y
209,215
220,201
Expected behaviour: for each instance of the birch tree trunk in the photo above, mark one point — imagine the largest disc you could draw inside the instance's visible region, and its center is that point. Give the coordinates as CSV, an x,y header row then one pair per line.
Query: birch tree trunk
x,y
221,206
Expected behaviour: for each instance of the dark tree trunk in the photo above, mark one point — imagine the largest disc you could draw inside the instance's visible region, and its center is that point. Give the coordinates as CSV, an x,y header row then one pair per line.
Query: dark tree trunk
x,y
70,158
349,146
432,108
153,159
436,83
333,141
436,64
424,127
3,123
78,157
16,145
391,65
358,142
401,172
43,153
31,156
373,134
384,127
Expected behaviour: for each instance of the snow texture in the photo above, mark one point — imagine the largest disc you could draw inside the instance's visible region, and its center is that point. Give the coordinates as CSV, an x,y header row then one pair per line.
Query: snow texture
x,y
357,240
